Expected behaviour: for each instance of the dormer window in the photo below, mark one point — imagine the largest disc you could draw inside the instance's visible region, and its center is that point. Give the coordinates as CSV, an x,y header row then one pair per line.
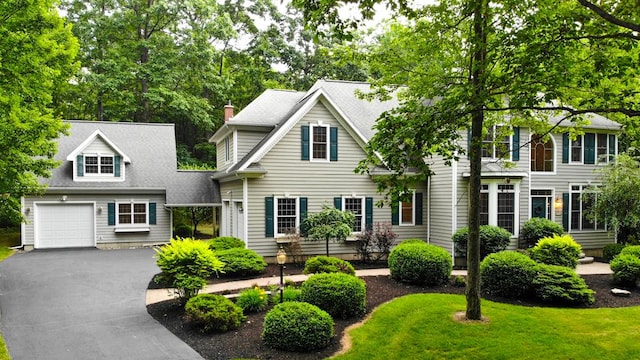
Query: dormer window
x,y
98,159
98,164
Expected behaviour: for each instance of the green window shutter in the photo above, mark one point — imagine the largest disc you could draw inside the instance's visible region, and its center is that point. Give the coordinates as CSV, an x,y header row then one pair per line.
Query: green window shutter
x,y
337,203
565,148
116,166
515,155
469,143
565,211
303,215
368,213
80,165
268,216
589,148
417,208
333,144
395,214
612,146
111,213
305,142
152,213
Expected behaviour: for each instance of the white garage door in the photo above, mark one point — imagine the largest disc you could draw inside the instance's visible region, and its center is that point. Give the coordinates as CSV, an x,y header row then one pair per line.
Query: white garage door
x,y
64,225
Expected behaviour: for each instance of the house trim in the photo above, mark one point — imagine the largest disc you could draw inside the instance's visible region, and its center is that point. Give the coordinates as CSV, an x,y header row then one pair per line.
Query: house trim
x,y
78,150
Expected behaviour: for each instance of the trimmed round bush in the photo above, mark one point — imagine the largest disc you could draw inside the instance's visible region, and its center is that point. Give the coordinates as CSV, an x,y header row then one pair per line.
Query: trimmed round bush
x,y
633,250
341,295
241,262
412,241
328,264
561,285
626,269
182,230
225,243
297,326
492,240
213,313
252,300
508,274
537,228
557,250
611,250
420,263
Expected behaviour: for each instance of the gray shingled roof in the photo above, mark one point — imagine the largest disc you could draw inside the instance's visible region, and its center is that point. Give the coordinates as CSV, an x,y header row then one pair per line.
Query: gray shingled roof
x,y
152,150
268,109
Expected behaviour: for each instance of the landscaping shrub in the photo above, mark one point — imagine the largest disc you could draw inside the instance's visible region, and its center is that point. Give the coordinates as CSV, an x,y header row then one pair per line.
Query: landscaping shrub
x,y
626,269
412,241
375,244
252,300
327,264
633,250
537,228
297,326
186,265
561,285
241,262
339,294
557,250
492,240
508,274
611,250
213,313
290,293
182,230
225,243
420,263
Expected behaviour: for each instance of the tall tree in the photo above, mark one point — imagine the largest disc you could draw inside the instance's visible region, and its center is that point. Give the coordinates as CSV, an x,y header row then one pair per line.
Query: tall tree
x,y
37,53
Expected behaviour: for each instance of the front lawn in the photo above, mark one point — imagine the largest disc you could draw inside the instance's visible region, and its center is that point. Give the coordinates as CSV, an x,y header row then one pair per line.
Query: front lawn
x,y
421,326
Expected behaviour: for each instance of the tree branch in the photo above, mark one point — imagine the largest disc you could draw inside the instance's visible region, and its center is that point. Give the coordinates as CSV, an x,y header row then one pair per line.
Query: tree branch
x,y
609,17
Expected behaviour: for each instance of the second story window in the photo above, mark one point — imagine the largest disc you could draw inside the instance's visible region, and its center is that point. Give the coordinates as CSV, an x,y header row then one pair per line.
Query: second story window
x,y
576,150
320,142
97,164
227,149
495,144
541,154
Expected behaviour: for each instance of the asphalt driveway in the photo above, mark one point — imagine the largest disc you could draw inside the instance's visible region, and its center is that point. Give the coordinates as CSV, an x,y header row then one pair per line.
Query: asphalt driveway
x,y
82,304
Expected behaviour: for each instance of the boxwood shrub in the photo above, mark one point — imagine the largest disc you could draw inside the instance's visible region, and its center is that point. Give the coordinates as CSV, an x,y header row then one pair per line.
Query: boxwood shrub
x,y
611,250
213,313
241,262
341,295
327,264
557,250
626,269
537,228
508,274
633,250
492,239
561,285
297,326
182,230
420,263
225,243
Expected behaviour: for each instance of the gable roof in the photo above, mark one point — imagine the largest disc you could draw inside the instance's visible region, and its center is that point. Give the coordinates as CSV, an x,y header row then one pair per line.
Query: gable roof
x,y
97,134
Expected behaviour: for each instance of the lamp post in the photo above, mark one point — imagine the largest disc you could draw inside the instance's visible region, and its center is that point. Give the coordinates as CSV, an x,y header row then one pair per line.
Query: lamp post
x,y
281,256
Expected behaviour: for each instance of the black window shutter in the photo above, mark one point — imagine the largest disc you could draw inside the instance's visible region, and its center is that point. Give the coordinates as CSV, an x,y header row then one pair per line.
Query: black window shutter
x,y
333,144
268,216
515,155
116,166
565,148
565,211
111,213
80,165
305,142
152,213
395,214
337,203
418,209
589,148
612,146
368,213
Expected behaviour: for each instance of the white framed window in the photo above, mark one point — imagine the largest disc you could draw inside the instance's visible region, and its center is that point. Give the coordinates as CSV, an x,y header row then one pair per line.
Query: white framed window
x,y
132,213
499,205
356,206
541,201
542,154
98,164
581,199
287,215
496,145
406,210
576,150
320,142
227,149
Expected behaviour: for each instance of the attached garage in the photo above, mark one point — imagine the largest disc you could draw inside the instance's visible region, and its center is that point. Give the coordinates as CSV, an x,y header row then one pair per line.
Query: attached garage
x,y
64,225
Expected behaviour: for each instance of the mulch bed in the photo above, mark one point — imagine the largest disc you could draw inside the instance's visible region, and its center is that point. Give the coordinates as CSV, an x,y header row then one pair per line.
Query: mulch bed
x,y
245,342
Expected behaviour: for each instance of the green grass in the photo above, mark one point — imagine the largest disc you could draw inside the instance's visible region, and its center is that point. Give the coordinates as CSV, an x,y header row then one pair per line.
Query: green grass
x,y
421,326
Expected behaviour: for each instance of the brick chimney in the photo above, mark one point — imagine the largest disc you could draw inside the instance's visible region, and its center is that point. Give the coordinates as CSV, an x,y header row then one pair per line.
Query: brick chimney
x,y
228,112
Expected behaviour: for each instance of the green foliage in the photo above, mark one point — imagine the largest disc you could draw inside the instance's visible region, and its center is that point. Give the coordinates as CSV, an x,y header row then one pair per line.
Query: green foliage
x,y
610,251
537,228
183,231
561,285
241,262
492,239
186,264
327,264
225,243
626,269
297,326
508,274
633,250
213,313
329,224
289,293
339,294
420,263
253,300
459,281
557,250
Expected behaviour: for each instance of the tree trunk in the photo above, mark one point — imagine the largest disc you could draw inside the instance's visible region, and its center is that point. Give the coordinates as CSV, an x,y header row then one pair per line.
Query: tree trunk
x,y
477,118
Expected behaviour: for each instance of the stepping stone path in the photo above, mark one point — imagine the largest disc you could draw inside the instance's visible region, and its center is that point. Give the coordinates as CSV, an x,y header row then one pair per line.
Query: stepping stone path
x,y
585,259
620,292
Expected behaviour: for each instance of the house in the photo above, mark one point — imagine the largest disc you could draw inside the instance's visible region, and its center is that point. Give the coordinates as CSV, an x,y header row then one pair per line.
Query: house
x,y
288,154
115,187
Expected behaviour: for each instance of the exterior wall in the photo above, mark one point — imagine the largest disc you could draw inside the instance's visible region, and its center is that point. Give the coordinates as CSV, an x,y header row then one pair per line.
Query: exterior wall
x,y
99,146
105,234
221,162
247,140
442,204
319,182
